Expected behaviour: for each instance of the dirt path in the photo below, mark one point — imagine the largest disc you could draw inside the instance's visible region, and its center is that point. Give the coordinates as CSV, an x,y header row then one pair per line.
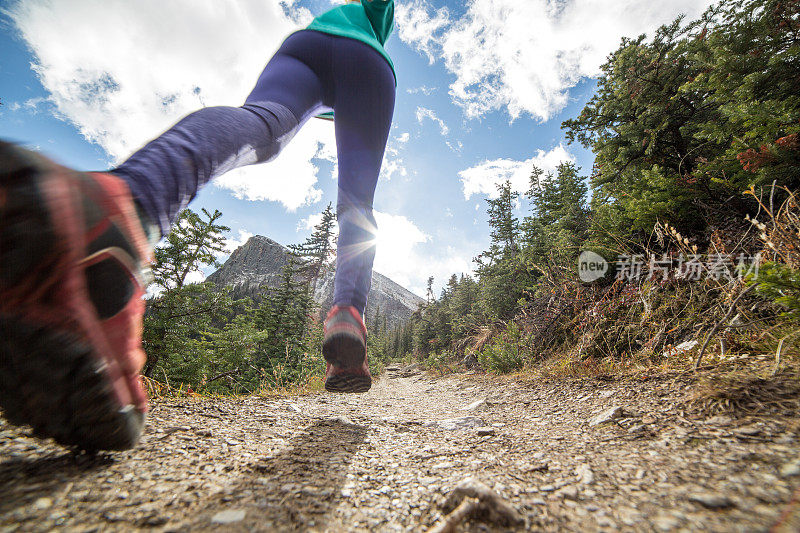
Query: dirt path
x,y
385,461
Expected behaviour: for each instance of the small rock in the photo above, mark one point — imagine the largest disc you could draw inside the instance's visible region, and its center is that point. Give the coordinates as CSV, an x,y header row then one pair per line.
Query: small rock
x,y
474,405
629,516
496,509
452,424
607,416
585,474
42,504
485,431
228,517
748,431
155,521
570,492
666,523
680,348
711,500
720,420
791,469
541,467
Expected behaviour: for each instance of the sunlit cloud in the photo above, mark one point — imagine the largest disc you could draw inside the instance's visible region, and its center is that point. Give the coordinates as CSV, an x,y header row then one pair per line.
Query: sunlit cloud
x,y
132,69
523,57
423,113
484,178
427,91
417,23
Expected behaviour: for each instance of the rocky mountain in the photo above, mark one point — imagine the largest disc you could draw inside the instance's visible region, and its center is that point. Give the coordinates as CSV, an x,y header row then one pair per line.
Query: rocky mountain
x,y
259,261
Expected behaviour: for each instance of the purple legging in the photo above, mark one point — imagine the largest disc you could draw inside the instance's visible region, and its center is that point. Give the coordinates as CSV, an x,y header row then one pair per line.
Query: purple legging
x,y
310,73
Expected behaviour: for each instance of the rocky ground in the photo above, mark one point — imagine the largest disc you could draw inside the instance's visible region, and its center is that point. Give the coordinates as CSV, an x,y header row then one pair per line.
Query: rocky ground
x,y
566,456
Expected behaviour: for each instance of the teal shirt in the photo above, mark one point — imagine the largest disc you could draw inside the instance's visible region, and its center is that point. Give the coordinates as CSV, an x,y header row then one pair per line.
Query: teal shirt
x,y
370,22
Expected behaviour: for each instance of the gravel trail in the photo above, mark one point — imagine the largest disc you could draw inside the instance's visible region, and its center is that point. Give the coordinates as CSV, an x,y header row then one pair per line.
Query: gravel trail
x,y
568,456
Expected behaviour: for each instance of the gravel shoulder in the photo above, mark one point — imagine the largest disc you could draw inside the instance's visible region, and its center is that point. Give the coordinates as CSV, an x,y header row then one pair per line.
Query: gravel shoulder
x,y
568,456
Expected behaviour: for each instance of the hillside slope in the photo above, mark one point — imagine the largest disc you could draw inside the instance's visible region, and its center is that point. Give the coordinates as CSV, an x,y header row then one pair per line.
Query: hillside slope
x,y
259,261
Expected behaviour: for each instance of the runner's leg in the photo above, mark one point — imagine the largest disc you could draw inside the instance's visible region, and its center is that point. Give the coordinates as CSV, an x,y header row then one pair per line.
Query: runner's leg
x,y
364,104
167,173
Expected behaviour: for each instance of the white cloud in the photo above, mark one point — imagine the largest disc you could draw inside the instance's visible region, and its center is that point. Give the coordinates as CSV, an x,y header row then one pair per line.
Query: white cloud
x,y
455,147
424,89
396,255
195,276
310,221
415,25
483,178
404,137
524,56
423,113
392,166
123,72
399,257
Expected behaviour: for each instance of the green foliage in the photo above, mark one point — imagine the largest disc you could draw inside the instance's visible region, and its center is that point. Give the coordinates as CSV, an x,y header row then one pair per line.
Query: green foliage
x,y
181,316
196,336
503,276
506,352
781,284
682,124
191,245
318,252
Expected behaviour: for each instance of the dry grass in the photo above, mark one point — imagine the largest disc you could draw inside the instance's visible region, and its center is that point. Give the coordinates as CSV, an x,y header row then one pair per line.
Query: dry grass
x,y
752,390
310,385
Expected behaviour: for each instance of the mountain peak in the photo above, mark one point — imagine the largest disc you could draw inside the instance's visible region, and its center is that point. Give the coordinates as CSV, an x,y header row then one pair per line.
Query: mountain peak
x,y
260,260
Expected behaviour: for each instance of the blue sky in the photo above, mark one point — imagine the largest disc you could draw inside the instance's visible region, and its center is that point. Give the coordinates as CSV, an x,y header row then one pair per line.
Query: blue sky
x,y
483,87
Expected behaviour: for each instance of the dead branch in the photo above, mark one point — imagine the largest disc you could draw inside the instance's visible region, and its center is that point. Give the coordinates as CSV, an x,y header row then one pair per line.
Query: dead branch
x,y
718,324
449,523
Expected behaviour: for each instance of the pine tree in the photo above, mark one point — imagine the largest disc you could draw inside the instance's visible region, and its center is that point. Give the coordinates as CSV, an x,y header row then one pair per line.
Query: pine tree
x,y
284,316
558,225
503,278
318,252
504,225
182,315
193,243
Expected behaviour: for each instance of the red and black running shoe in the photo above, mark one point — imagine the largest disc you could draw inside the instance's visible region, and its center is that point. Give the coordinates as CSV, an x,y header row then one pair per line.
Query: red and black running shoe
x,y
72,259
345,350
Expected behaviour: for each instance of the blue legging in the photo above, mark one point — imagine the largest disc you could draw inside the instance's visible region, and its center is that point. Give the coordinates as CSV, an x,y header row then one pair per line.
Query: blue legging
x,y
310,73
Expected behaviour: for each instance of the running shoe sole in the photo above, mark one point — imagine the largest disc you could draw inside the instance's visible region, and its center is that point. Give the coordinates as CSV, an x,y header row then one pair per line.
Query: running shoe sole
x,y
348,383
345,351
51,376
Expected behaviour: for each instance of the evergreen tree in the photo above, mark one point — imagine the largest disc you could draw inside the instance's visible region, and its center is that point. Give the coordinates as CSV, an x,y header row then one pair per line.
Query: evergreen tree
x,y
502,276
557,227
284,315
179,312
193,243
318,252
683,124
